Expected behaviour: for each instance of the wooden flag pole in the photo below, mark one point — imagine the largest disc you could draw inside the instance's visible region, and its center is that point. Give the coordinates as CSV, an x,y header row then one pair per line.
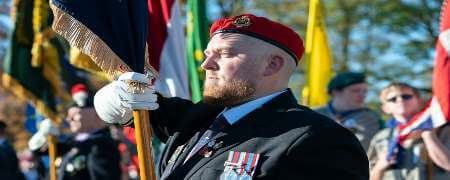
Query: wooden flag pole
x,y
52,155
144,144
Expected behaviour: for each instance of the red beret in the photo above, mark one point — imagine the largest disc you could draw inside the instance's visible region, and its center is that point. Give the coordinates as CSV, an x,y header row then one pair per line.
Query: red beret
x,y
78,88
262,28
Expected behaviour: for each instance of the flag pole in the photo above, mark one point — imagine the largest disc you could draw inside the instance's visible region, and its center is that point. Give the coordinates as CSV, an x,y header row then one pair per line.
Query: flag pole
x,y
144,144
52,156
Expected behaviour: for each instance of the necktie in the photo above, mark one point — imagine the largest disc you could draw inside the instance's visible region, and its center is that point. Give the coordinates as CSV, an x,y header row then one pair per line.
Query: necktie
x,y
219,124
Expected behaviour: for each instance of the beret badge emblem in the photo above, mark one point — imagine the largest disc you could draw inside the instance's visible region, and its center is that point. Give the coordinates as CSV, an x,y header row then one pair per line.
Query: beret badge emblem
x,y
242,21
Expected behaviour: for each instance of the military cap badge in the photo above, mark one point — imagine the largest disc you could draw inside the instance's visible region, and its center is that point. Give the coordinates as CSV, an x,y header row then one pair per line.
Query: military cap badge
x,y
242,21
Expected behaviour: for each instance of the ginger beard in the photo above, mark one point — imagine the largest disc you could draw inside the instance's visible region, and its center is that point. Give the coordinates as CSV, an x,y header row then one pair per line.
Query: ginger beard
x,y
231,93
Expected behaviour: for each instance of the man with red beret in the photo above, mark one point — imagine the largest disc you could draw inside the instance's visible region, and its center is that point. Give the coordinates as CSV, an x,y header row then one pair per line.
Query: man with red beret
x,y
249,125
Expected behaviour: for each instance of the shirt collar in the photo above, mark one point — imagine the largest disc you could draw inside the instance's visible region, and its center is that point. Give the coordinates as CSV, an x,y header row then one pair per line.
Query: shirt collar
x,y
236,113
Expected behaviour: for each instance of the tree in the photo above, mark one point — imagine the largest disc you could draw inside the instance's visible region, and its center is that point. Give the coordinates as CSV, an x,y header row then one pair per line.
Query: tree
x,y
386,39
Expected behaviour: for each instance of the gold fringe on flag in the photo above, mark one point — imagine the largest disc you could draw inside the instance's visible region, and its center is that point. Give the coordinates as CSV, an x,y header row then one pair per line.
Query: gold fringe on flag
x,y
81,37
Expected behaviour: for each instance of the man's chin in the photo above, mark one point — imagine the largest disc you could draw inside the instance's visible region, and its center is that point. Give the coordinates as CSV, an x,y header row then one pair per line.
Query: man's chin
x,y
235,93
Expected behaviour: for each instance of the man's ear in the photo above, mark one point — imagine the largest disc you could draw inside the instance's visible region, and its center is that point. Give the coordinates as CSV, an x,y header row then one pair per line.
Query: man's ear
x,y
274,65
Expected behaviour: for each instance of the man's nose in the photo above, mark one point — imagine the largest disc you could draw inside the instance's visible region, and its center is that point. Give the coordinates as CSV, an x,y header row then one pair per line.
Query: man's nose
x,y
210,64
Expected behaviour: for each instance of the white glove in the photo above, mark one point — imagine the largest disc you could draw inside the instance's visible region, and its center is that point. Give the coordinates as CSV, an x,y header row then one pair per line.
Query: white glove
x,y
143,98
39,139
46,127
114,102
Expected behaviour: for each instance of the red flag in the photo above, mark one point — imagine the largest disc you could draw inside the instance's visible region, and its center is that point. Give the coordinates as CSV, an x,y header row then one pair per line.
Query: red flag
x,y
166,47
441,73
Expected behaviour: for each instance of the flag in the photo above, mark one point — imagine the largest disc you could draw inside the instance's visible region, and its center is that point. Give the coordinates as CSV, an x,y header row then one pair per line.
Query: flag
x,y
197,40
166,47
24,72
47,50
318,58
82,61
112,33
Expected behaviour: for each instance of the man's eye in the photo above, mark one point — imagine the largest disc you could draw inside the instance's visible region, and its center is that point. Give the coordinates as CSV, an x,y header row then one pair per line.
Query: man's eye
x,y
225,54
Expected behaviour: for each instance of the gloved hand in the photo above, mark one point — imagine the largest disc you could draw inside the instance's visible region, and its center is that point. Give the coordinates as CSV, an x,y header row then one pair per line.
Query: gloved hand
x,y
114,102
39,139
142,96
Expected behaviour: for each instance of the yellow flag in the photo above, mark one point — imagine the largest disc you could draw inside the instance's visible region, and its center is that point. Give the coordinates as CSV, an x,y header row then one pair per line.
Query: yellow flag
x,y
318,58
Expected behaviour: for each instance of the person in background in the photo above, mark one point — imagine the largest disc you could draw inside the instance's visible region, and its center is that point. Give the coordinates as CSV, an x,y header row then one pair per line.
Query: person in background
x,y
90,152
426,155
33,168
9,164
348,92
80,95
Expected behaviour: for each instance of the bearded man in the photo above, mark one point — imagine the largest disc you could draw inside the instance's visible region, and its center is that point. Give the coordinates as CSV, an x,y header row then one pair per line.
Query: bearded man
x,y
249,125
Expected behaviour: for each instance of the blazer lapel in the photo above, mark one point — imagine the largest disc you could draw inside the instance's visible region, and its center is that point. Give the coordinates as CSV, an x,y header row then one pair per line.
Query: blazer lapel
x,y
181,158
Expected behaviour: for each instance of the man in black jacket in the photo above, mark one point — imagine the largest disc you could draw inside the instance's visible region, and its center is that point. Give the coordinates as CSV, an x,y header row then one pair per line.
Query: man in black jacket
x,y
249,125
89,153
9,164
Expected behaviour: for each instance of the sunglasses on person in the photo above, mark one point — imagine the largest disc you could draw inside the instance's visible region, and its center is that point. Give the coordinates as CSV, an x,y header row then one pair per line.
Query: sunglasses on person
x,y
405,97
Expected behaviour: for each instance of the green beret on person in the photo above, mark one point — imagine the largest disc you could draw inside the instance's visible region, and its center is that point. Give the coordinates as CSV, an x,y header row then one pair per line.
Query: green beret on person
x,y
342,80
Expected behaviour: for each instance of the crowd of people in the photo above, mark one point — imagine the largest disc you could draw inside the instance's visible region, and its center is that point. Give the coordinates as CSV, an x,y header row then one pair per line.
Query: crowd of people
x,y
249,125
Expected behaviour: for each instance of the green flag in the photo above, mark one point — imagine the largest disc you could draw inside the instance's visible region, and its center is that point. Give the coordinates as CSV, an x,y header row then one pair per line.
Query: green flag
x,y
197,36
25,78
